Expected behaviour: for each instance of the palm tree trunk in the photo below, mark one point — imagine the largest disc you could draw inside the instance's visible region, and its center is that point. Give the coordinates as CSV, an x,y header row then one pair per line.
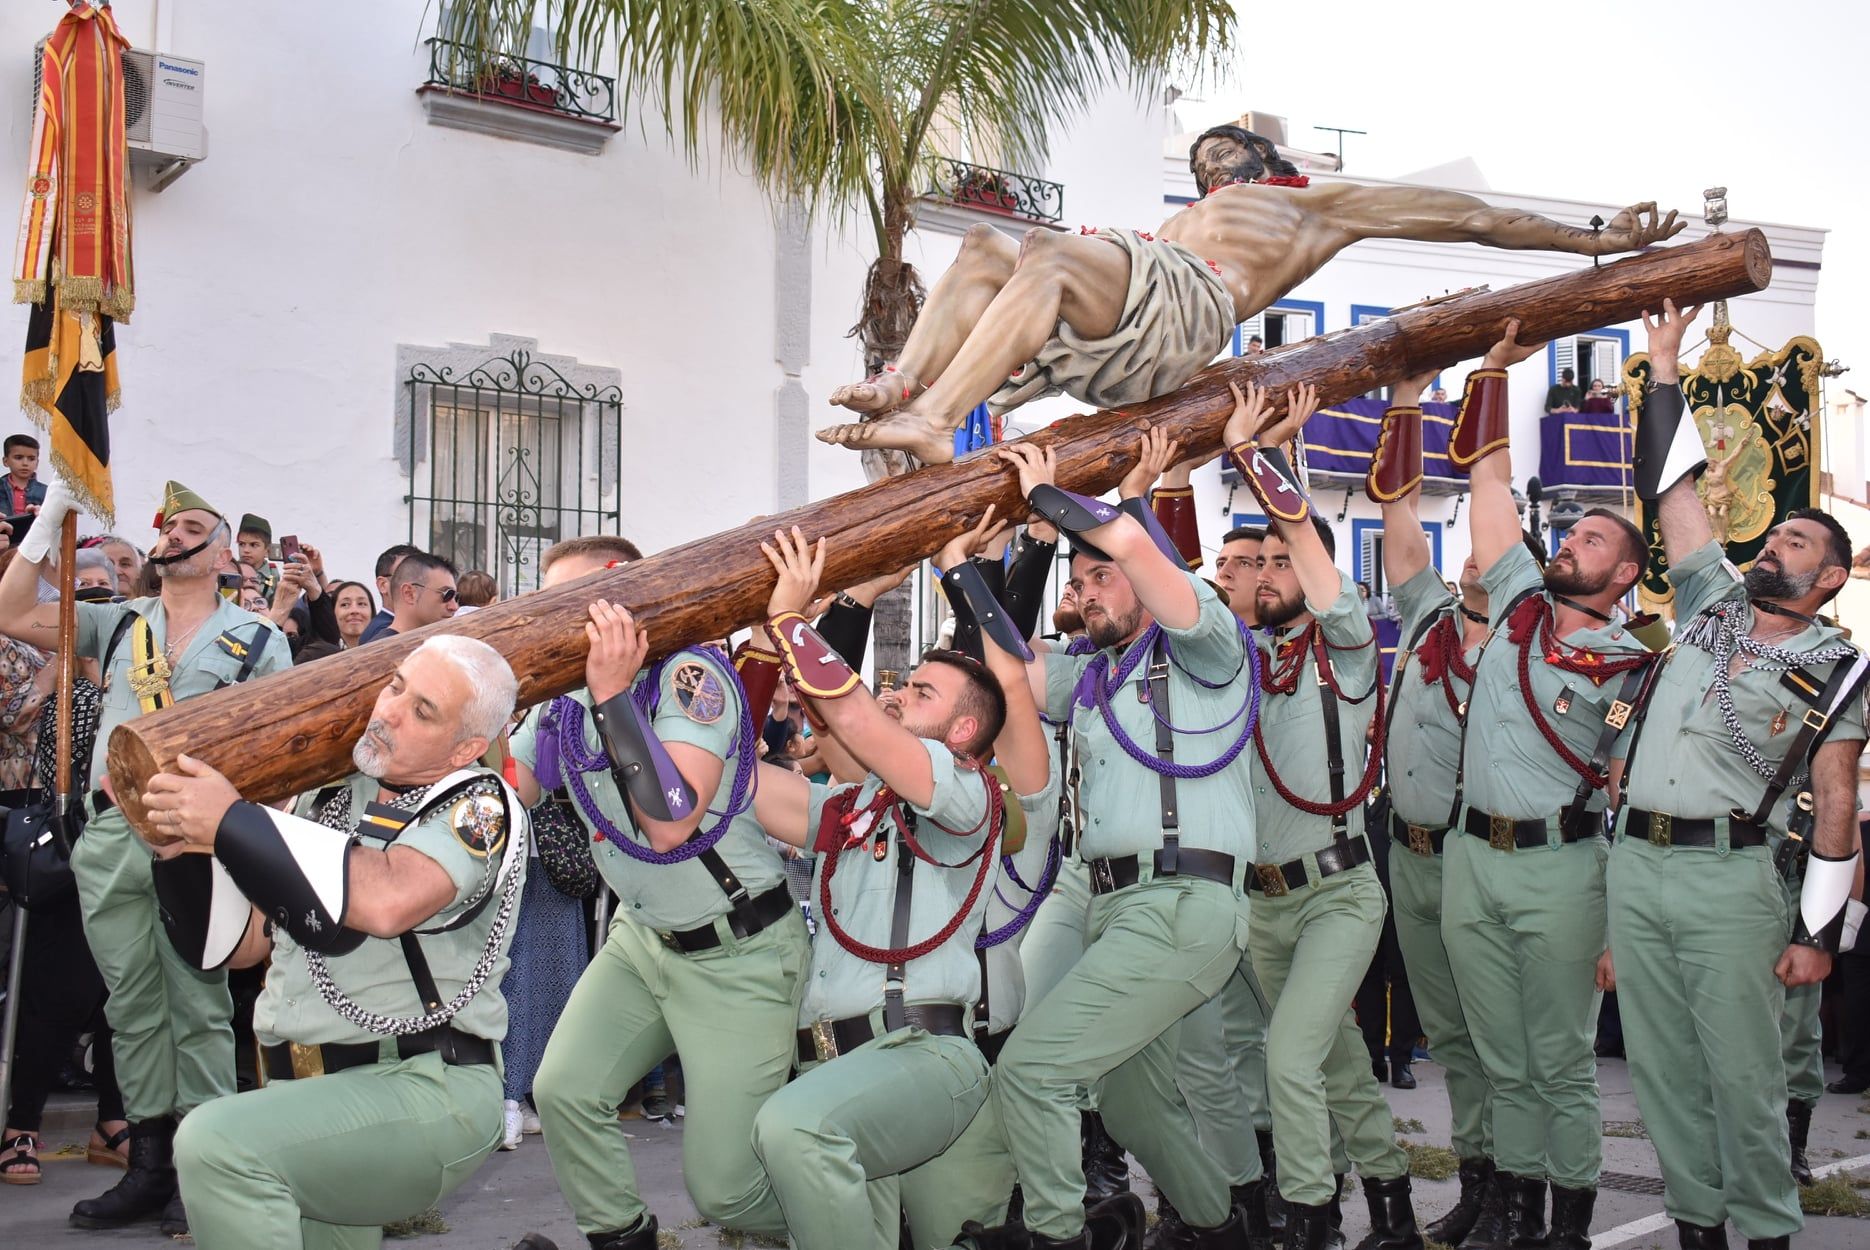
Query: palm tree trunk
x,y
893,294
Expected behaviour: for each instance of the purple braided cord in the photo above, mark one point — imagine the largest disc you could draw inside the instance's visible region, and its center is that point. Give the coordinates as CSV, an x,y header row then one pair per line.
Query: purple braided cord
x,y
578,760
1094,690
1023,917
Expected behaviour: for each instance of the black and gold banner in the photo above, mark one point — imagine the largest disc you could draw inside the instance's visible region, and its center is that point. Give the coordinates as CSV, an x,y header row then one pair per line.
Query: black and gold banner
x,y
1759,422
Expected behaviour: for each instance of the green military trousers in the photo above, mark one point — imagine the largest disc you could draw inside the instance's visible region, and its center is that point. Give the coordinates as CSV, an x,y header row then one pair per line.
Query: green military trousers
x,y
1694,935
1158,950
1415,896
732,1013
173,1036
854,1140
1524,929
1317,942
1056,937
1800,1033
324,1162
1221,1071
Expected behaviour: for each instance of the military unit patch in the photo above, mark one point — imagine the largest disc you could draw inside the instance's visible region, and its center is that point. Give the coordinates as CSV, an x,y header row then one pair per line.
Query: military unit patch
x,y
479,824
700,693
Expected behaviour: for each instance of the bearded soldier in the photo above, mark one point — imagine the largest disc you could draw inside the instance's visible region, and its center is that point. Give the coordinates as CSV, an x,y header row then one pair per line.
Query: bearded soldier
x,y
173,1036
1759,701
1318,909
1523,888
1166,838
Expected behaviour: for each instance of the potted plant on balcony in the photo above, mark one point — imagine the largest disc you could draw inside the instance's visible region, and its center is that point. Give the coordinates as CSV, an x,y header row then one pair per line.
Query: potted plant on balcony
x,y
986,188
511,80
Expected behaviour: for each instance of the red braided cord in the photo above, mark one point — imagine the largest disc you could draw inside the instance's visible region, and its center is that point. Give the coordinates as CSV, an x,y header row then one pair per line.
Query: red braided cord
x,y
1372,764
1443,661
1534,618
883,955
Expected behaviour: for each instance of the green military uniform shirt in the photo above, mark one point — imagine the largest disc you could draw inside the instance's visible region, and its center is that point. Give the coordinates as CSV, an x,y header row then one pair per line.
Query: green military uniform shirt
x,y
1006,976
839,984
375,975
1420,757
1119,798
1691,767
1293,728
699,704
207,663
1511,770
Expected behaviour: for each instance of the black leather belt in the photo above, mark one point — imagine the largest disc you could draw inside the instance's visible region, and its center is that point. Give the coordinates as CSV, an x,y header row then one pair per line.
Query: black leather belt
x,y
1505,834
827,1039
1425,840
1662,829
766,909
1276,879
295,1060
1119,872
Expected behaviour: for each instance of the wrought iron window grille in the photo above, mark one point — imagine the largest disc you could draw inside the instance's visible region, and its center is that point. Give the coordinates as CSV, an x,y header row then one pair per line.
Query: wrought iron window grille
x,y
998,190
515,458
507,78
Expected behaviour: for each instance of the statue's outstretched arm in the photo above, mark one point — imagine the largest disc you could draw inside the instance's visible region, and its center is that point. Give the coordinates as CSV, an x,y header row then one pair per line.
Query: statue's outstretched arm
x,y
1435,216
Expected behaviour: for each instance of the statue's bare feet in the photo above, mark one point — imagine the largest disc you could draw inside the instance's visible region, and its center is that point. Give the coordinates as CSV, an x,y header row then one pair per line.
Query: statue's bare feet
x,y
928,440
874,396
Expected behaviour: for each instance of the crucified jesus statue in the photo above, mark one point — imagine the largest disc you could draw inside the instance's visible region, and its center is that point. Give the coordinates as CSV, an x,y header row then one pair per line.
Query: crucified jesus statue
x,y
1113,317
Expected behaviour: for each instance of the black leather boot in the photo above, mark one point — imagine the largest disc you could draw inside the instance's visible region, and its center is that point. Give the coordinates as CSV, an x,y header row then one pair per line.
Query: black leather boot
x,y
1251,1201
1700,1236
1269,1168
1392,1217
1008,1236
1770,1243
1571,1217
1106,1171
175,1217
1452,1229
1307,1227
1520,1219
640,1236
1115,1223
535,1241
1229,1234
1525,1211
1489,1231
146,1187
1798,1128
1171,1231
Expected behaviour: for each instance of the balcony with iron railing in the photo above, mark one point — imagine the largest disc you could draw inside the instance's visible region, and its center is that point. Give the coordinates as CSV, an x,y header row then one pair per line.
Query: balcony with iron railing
x,y
520,97
997,191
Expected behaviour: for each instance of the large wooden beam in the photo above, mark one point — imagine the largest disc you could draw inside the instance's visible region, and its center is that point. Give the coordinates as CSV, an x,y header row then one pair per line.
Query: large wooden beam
x,y
291,732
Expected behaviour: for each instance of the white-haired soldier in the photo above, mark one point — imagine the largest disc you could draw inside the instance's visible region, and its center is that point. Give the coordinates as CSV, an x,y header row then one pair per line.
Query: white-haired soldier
x,y
387,908
174,1037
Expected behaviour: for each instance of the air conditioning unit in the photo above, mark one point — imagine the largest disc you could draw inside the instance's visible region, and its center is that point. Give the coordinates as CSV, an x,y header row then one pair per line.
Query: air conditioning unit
x,y
163,120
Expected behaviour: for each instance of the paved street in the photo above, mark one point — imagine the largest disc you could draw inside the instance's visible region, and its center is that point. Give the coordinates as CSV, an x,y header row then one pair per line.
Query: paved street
x,y
514,1192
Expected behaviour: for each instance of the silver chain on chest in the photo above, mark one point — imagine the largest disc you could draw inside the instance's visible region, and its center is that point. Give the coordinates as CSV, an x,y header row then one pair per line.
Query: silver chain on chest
x,y
337,815
1717,631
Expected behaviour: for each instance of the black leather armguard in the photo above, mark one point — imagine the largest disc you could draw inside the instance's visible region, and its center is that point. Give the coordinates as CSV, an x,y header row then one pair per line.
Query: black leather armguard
x,y
971,587
294,870
845,626
640,762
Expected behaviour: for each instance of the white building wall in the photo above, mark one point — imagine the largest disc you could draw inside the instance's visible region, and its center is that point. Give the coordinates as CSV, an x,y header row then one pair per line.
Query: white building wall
x,y
332,222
